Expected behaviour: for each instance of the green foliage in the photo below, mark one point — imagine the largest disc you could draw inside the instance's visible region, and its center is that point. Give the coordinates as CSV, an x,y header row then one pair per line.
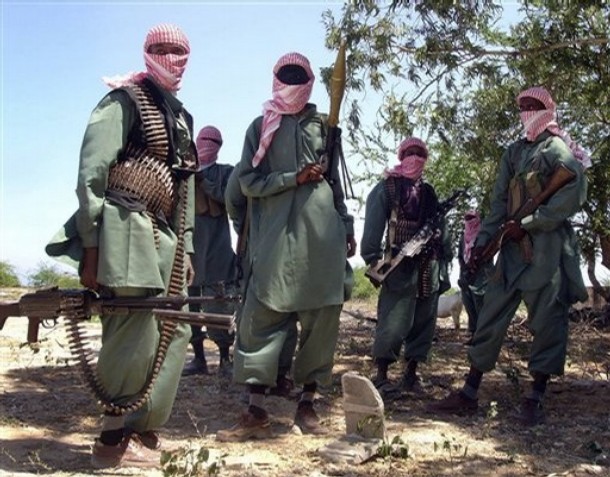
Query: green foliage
x,y
8,276
449,72
48,275
371,423
394,448
490,415
191,461
363,288
451,446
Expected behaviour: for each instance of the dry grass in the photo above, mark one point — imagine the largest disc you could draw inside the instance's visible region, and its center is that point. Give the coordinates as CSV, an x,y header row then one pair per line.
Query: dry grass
x,y
48,418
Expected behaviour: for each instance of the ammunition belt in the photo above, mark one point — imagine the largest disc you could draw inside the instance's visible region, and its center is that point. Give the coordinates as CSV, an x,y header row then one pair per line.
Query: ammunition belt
x,y
405,230
153,123
73,309
425,278
145,178
144,175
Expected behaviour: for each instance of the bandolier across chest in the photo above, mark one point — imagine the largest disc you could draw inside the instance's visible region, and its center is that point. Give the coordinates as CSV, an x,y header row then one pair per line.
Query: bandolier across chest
x,y
404,223
145,174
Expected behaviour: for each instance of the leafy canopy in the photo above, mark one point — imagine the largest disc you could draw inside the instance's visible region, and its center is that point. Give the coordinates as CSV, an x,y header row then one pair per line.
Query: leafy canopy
x,y
449,72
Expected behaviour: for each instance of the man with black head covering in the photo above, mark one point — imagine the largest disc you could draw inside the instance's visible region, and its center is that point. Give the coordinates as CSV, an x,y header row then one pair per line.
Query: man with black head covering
x,y
130,238
214,262
539,260
300,236
238,211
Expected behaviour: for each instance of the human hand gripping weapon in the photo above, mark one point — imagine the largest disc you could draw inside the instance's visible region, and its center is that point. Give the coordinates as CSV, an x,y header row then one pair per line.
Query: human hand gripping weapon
x,y
560,177
333,139
380,270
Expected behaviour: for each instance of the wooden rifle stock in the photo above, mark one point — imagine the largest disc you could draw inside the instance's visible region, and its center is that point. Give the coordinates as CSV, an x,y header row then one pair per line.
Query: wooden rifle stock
x,y
560,177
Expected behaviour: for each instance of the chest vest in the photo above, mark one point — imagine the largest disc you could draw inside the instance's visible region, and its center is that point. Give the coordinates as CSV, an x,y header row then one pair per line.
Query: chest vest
x,y
143,178
408,213
406,216
526,184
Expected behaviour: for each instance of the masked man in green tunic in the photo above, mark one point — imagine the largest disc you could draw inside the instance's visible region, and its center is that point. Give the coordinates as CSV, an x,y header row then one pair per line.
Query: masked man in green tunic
x,y
130,237
471,286
399,206
300,236
539,258
214,262
237,209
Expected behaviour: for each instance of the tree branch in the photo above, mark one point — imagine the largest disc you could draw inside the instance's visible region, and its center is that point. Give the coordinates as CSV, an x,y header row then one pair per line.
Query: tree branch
x,y
519,52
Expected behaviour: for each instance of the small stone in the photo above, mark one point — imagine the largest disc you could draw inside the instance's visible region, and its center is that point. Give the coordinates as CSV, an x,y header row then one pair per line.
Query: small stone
x,y
363,407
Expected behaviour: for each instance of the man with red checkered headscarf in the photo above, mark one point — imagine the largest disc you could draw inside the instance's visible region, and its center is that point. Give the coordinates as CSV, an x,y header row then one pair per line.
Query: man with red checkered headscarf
x,y
472,285
214,261
538,262
130,237
299,238
398,207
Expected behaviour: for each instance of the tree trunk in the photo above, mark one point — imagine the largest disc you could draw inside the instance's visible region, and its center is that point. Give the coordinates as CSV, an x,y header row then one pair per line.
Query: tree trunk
x,y
604,242
598,289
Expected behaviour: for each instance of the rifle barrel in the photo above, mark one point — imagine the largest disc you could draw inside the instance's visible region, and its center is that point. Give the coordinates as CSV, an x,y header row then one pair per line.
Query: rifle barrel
x,y
159,302
214,320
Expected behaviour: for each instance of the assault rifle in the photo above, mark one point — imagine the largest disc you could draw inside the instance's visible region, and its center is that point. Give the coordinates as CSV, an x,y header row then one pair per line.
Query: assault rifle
x,y
47,304
379,271
560,177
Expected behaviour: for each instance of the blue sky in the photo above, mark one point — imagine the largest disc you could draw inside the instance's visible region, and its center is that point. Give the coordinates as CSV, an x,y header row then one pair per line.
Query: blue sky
x,y
54,54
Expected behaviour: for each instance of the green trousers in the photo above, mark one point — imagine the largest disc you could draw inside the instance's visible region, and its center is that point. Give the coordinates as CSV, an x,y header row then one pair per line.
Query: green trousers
x,y
261,343
404,318
129,345
547,320
473,302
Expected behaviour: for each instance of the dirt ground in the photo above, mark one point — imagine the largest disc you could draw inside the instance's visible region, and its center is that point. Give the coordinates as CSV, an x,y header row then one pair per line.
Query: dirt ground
x,y
48,418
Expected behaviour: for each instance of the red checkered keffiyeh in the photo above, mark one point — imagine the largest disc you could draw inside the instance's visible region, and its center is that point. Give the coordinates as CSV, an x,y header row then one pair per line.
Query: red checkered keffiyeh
x,y
208,144
535,122
411,166
472,225
167,70
287,99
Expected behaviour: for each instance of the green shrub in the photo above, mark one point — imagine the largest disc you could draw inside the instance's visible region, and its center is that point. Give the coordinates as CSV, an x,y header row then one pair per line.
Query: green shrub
x,y
8,276
48,275
363,288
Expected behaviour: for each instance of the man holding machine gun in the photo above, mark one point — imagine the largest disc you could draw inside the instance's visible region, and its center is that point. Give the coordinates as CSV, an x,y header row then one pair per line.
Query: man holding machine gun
x,y
540,184
400,205
300,235
130,235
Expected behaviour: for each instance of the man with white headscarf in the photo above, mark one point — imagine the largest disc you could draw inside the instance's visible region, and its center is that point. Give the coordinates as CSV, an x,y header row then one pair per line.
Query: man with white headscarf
x,y
300,236
538,262
214,261
397,207
130,238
